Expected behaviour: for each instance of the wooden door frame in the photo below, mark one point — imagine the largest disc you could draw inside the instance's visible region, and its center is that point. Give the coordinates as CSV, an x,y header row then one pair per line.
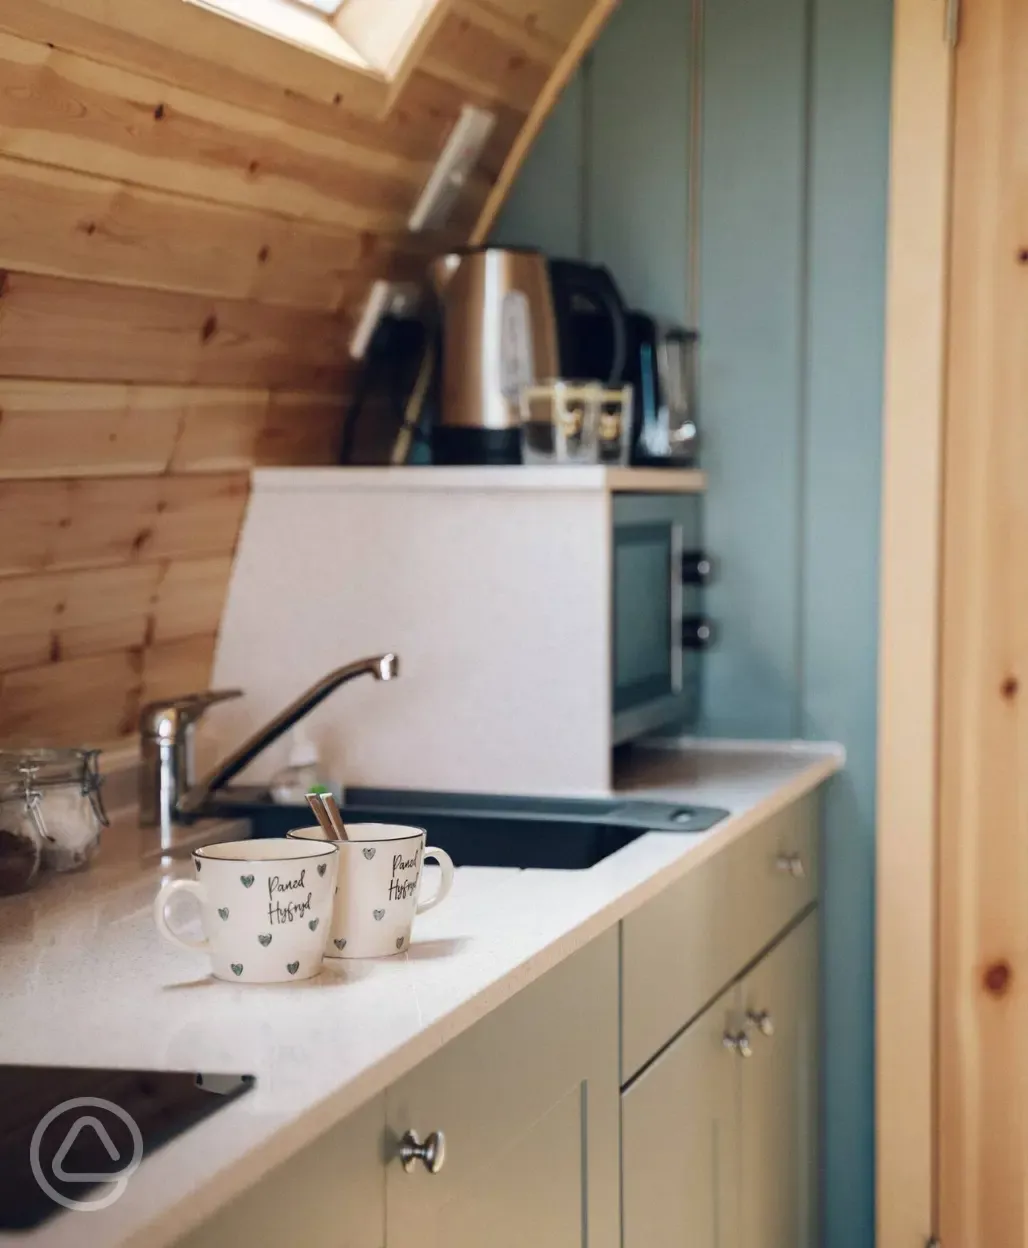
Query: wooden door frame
x,y
910,579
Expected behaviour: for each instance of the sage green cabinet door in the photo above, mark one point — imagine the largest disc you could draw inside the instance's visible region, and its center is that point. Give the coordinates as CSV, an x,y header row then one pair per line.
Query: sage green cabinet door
x,y
779,1095
680,1141
527,1100
329,1195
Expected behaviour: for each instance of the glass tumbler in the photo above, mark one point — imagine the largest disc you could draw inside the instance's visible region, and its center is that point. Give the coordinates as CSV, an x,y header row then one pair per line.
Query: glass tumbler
x,y
559,422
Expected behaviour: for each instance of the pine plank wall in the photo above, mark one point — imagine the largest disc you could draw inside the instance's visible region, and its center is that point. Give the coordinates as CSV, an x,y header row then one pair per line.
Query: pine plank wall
x,y
184,245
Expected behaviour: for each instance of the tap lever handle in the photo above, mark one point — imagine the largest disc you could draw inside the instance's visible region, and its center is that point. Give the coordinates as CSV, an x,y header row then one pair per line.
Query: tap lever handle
x,y
201,701
167,717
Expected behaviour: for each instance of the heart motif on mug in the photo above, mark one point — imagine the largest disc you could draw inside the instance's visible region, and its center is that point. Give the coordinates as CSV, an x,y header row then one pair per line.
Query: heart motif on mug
x,y
223,911
322,868
340,944
292,967
399,942
313,924
265,940
379,914
246,880
368,853
237,968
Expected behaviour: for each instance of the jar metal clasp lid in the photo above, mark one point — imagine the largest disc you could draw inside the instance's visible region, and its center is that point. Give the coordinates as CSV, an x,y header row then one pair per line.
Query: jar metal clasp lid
x,y
92,783
33,803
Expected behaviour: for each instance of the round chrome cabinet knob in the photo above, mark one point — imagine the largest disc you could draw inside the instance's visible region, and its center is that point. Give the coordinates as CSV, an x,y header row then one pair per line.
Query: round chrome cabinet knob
x,y
432,1154
738,1042
762,1020
791,864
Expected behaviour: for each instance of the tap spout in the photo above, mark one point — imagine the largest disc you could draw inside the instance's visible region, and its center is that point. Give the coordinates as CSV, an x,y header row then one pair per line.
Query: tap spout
x,y
380,666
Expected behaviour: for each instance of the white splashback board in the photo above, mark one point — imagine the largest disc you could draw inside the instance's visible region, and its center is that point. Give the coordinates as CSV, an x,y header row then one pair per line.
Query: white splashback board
x,y
495,601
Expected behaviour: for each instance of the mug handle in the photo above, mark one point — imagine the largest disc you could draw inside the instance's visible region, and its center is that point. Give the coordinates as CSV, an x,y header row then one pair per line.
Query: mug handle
x,y
445,884
160,917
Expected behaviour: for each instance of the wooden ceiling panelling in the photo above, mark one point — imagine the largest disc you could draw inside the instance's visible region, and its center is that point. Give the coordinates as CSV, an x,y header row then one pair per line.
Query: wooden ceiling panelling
x,y
60,108
83,522
190,217
90,429
51,327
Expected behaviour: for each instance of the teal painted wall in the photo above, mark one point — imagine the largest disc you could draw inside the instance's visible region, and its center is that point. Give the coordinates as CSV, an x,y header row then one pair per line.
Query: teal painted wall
x,y
782,262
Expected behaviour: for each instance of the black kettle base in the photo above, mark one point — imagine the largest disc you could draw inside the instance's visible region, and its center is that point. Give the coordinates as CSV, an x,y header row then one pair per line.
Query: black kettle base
x,y
641,460
465,445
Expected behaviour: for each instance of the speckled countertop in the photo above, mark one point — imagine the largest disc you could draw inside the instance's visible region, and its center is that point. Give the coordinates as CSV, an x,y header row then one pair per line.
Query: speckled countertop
x,y
86,980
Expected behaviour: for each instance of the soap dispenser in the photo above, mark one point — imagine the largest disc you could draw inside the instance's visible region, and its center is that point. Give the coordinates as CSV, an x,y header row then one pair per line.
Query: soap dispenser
x,y
291,783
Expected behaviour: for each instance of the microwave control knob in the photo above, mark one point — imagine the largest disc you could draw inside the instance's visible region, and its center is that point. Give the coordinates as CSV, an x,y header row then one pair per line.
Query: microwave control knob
x,y
697,568
697,632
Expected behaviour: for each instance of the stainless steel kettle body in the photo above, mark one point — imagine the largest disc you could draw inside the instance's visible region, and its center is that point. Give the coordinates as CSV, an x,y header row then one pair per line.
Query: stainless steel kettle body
x,y
499,334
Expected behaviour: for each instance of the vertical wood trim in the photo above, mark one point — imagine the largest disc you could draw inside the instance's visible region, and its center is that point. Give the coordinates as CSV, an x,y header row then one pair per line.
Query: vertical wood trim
x,y
909,623
983,773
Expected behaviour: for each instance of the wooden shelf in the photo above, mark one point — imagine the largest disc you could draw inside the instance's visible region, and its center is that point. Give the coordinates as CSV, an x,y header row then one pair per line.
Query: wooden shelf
x,y
483,480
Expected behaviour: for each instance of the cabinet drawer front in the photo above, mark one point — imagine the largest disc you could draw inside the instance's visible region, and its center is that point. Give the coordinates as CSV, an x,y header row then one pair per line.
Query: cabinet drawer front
x,y
330,1195
528,1102
683,947
775,872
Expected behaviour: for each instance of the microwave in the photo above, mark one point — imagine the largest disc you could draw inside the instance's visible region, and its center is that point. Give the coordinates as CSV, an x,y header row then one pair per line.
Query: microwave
x,y
658,629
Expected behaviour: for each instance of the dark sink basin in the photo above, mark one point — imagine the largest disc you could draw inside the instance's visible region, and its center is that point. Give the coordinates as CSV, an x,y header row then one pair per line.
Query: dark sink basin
x,y
485,831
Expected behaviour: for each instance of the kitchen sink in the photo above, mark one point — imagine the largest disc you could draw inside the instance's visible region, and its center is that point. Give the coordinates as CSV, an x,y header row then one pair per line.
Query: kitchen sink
x,y
485,831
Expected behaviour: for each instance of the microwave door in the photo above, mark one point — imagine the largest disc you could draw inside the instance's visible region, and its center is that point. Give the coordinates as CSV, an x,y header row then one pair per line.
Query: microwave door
x,y
655,669
647,652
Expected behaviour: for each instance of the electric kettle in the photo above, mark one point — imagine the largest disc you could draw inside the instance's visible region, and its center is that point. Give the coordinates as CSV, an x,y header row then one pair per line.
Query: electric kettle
x,y
592,322
498,335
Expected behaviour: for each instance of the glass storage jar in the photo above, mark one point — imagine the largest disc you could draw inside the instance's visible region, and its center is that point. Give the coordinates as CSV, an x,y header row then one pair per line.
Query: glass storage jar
x,y
21,842
50,799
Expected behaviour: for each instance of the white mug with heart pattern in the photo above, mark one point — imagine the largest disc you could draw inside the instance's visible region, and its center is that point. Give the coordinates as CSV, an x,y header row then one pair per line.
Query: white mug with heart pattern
x,y
379,887
265,907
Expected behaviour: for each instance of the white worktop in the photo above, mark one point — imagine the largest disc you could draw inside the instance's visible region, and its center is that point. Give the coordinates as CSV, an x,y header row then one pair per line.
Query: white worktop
x,y
485,479
85,980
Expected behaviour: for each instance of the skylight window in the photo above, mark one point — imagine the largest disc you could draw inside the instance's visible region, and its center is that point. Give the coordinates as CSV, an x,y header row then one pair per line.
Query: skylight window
x,y
328,7
373,35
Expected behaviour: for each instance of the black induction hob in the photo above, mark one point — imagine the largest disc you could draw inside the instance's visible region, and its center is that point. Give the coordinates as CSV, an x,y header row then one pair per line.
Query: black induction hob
x,y
70,1137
